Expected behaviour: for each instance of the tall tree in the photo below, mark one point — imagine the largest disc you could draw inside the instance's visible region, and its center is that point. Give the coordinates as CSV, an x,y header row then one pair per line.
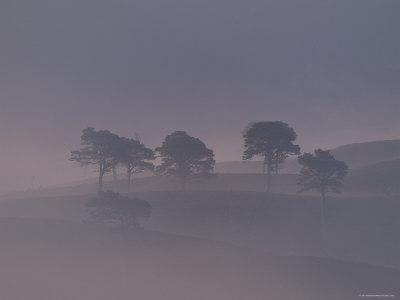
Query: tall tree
x,y
98,148
323,173
273,141
114,169
279,159
136,157
183,155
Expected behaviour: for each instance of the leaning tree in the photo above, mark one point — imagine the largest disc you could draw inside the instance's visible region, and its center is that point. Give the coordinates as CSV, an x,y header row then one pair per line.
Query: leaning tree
x,y
98,149
136,157
273,141
183,155
321,172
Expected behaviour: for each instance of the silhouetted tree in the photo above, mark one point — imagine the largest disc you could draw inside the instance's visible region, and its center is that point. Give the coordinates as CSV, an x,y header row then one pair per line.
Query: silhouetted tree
x,y
114,169
271,140
183,155
98,148
117,147
115,210
136,157
323,173
278,161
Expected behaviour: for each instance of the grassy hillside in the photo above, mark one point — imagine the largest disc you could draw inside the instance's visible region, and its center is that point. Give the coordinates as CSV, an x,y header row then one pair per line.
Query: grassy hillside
x,y
374,167
253,167
285,183
377,179
355,155
363,154
357,228
57,260
382,177
239,167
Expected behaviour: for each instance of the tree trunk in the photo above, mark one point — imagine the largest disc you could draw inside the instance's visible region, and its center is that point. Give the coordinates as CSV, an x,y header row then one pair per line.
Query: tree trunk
x,y
100,186
264,172
115,174
267,164
264,165
129,176
130,179
323,201
269,172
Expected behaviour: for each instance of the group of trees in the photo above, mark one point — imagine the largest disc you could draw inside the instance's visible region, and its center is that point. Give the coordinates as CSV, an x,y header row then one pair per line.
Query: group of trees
x,y
184,156
181,155
274,142
106,151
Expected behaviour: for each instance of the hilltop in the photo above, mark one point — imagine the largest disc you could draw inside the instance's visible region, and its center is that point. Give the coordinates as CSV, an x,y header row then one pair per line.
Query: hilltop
x,y
362,154
355,155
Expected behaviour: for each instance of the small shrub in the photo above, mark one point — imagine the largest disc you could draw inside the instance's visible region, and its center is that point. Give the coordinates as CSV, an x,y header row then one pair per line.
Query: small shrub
x,y
117,211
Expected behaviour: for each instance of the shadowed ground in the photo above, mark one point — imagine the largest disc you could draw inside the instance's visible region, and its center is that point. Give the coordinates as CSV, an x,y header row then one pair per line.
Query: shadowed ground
x,y
59,260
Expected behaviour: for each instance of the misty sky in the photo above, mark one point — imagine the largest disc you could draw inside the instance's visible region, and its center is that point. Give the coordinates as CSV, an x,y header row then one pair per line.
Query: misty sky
x,y
329,68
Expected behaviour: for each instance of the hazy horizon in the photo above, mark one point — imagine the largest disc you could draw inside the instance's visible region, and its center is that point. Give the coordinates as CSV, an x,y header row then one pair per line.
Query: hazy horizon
x,y
266,86
330,69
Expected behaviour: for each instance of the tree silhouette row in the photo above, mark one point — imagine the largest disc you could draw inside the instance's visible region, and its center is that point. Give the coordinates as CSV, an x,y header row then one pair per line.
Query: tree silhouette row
x,y
181,155
184,156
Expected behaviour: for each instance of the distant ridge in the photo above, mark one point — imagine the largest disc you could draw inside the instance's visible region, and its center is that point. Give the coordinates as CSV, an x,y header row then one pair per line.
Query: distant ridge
x,y
363,154
355,155
374,167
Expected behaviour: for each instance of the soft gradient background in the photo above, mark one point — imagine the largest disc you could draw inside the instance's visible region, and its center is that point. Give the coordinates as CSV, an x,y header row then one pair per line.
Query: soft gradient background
x,y
329,68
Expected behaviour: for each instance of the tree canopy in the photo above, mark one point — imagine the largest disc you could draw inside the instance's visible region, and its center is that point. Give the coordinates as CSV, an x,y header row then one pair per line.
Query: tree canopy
x,y
135,156
107,150
273,141
98,148
321,172
183,155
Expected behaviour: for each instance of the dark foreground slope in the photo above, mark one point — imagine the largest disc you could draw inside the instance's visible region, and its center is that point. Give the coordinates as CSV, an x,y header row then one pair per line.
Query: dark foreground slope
x,y
357,228
55,260
361,229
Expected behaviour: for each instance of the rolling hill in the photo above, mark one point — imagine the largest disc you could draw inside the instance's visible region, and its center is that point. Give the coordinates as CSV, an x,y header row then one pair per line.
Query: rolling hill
x,y
363,154
382,177
44,259
285,183
362,229
372,171
253,167
355,155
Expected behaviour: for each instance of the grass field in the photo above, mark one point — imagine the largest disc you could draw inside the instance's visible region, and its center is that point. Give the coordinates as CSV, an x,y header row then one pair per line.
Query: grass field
x,y
222,238
357,228
377,180
43,259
